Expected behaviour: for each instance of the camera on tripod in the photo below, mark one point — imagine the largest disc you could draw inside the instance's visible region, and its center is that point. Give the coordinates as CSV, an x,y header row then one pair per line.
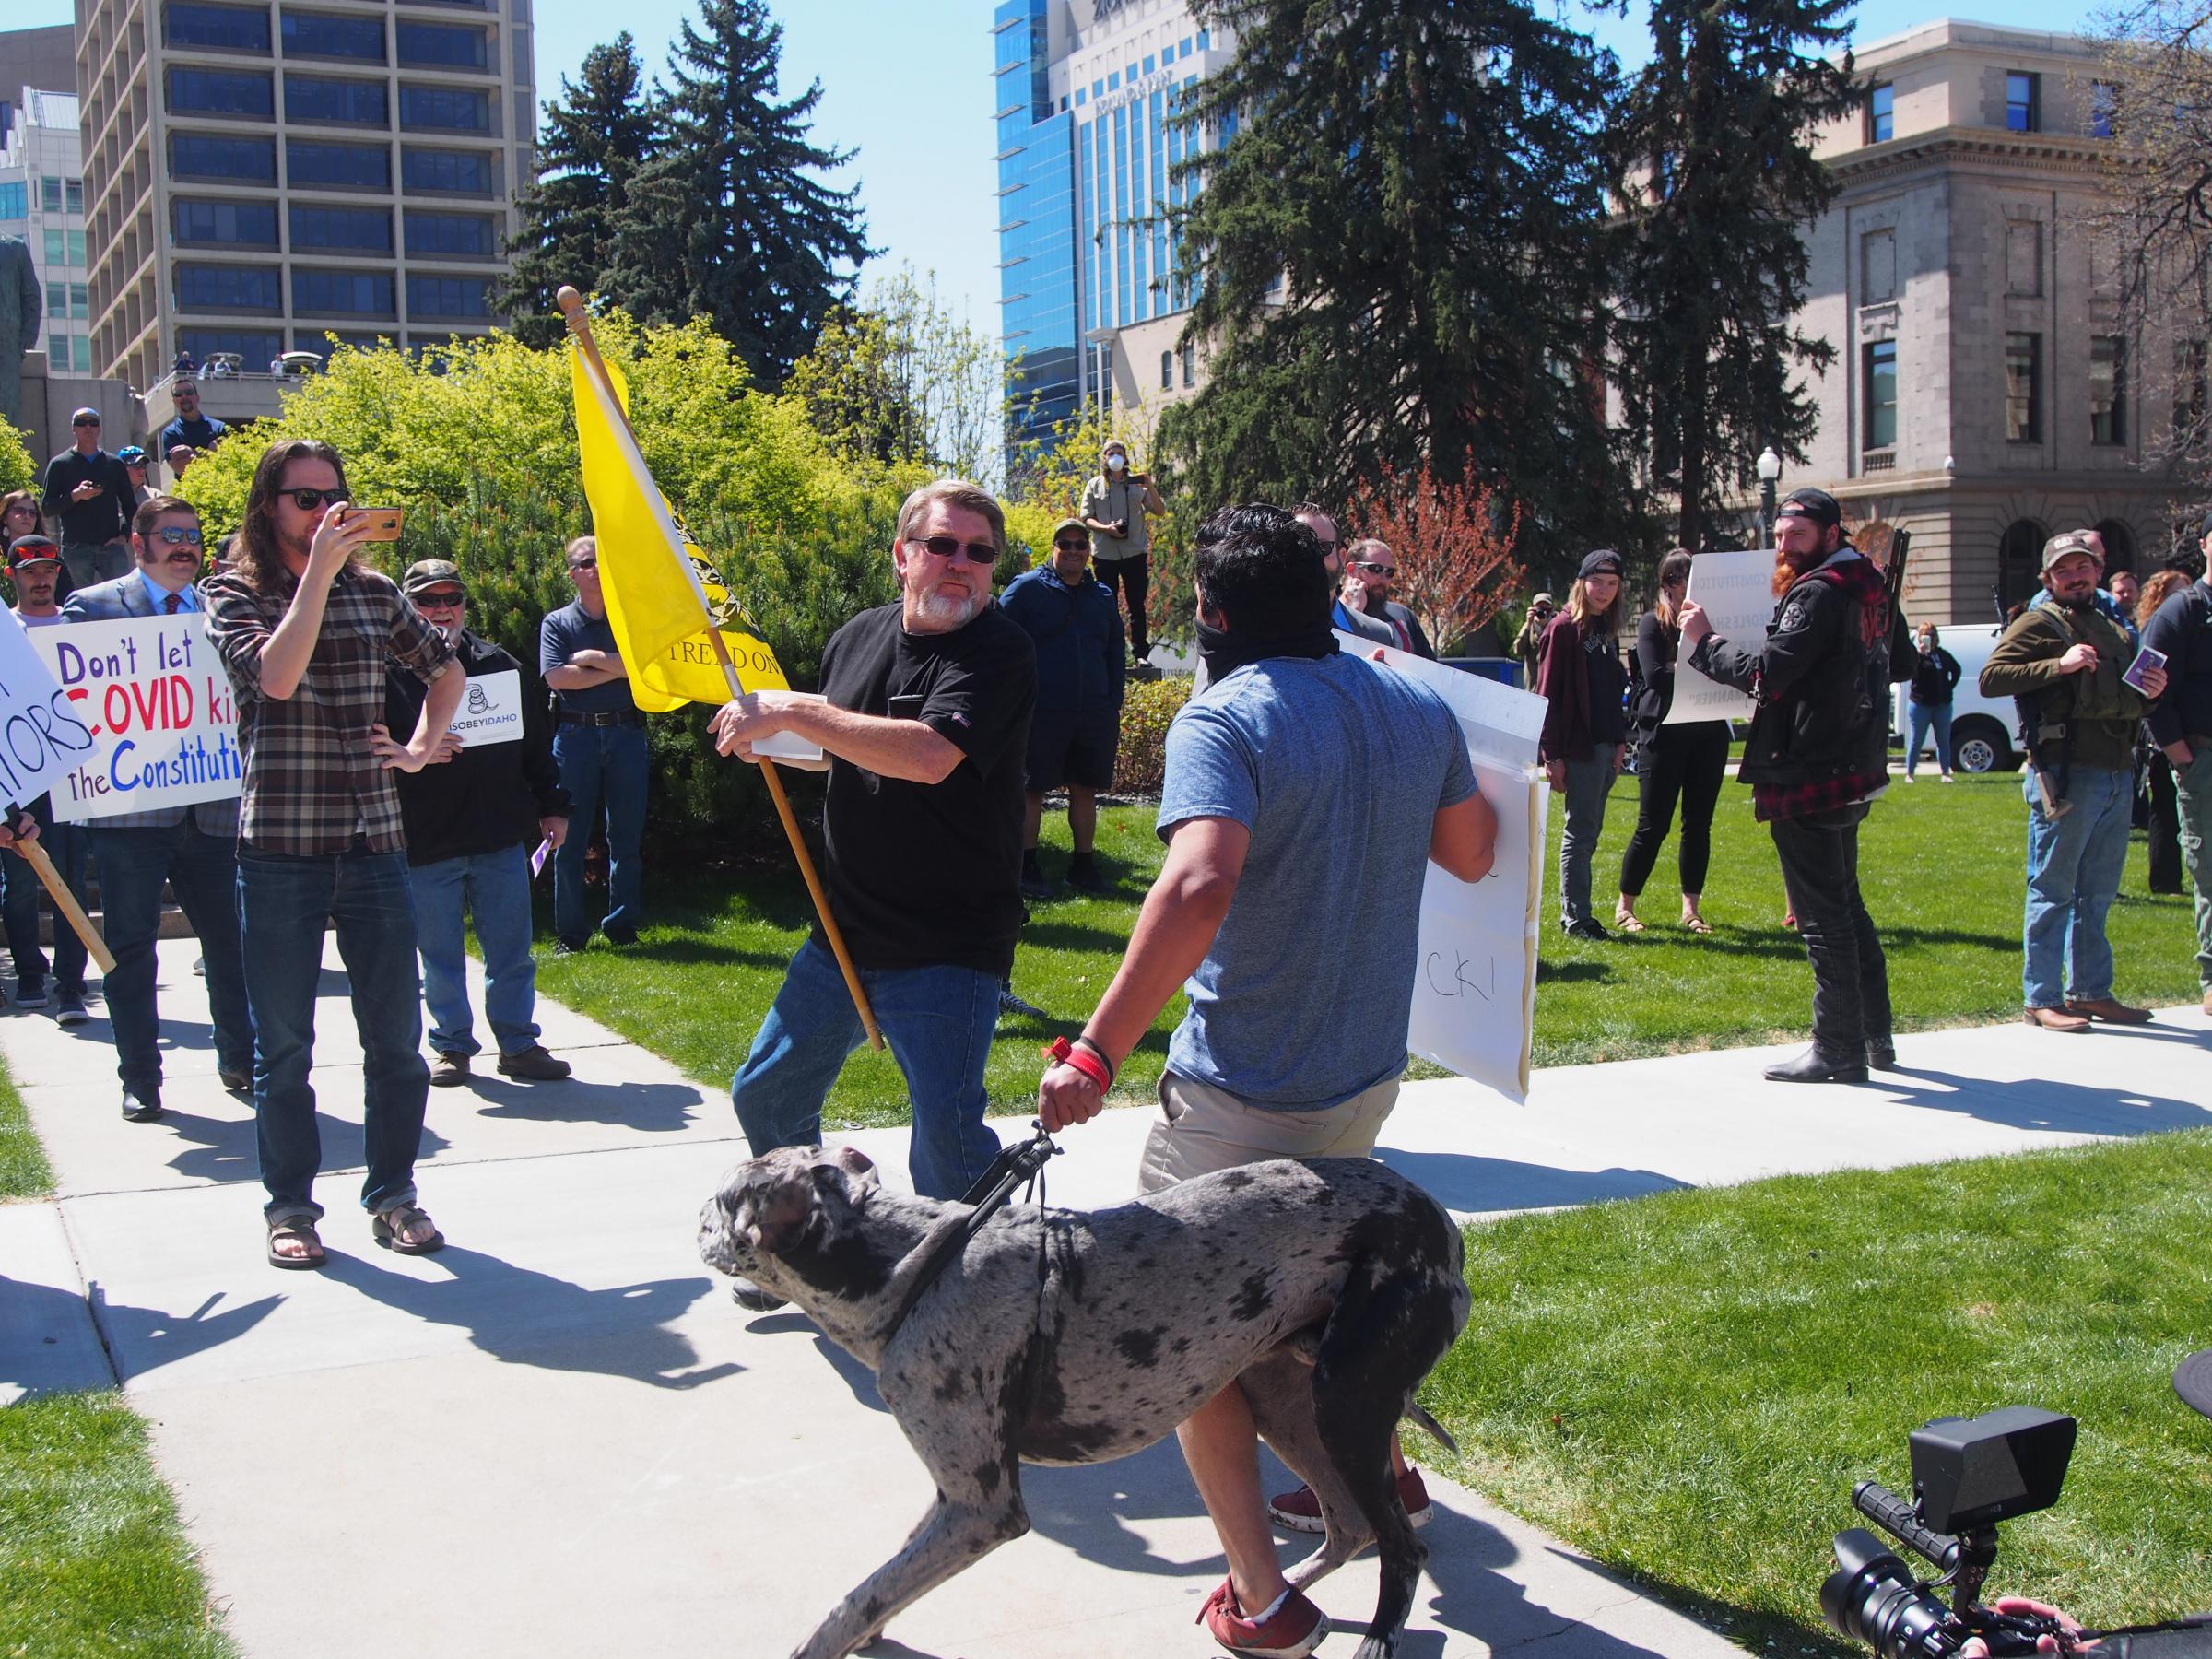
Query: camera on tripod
x,y
1968,1475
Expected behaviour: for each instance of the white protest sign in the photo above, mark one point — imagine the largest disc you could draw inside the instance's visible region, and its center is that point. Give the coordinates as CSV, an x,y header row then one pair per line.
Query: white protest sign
x,y
490,710
41,736
157,705
1475,978
1737,591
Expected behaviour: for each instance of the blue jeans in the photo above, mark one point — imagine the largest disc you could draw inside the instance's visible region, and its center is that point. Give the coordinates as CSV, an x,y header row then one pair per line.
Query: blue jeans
x,y
21,890
1919,717
1588,785
600,766
2074,865
202,869
495,886
937,1022
283,902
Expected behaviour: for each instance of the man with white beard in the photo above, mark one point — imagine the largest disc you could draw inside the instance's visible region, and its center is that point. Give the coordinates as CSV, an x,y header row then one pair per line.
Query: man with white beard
x,y
923,721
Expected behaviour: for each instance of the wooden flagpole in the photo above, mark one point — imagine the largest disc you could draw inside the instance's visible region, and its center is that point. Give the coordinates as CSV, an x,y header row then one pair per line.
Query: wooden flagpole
x,y
65,901
579,325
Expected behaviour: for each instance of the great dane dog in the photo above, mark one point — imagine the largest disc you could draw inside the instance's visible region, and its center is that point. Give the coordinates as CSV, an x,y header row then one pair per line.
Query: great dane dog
x,y
1327,1289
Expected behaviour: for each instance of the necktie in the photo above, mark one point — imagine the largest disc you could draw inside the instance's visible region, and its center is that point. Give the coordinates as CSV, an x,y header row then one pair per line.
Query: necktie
x,y
173,604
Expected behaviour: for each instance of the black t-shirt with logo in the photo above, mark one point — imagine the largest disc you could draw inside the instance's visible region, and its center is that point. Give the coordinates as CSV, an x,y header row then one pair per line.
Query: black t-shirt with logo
x,y
927,874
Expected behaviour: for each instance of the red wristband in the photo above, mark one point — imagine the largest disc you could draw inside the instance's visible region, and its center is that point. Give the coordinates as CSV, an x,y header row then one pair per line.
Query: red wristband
x,y
1082,1059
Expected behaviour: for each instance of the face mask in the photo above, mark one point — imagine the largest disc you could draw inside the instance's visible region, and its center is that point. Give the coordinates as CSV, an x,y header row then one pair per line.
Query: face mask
x,y
1224,651
1115,464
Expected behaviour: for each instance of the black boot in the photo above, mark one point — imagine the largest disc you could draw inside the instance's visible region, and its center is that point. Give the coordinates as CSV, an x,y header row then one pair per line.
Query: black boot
x,y
1033,884
1881,1054
1812,1066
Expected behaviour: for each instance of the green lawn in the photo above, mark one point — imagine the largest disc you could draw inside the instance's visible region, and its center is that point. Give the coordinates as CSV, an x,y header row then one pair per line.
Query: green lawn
x,y
1686,1386
23,1169
92,1562
1941,866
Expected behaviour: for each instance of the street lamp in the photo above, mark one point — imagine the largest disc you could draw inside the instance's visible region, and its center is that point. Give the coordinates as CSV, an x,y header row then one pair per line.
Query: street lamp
x,y
1770,472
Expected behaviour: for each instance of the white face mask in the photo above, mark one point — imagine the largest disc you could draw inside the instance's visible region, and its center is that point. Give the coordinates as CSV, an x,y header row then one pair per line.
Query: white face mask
x,y
1115,464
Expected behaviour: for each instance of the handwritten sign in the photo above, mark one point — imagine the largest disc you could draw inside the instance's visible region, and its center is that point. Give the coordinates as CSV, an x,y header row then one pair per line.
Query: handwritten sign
x,y
160,718
1475,978
1737,591
490,710
43,737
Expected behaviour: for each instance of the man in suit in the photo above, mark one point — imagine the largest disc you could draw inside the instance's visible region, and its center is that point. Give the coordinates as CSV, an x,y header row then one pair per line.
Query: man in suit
x,y
192,848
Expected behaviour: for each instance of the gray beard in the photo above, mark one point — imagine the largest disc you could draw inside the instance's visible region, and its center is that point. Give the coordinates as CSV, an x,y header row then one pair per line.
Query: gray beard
x,y
934,607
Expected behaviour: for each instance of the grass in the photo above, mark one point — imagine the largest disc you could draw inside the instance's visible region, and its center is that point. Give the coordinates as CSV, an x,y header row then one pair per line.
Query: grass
x,y
24,1172
1688,1386
1940,866
92,1561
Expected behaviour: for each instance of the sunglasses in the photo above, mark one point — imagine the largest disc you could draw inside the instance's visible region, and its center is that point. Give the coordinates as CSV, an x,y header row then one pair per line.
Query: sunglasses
x,y
1073,546
584,564
178,535
444,598
307,501
85,423
947,546
1376,570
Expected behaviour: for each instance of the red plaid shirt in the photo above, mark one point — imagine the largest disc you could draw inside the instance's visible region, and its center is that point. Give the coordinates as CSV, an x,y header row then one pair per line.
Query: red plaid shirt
x,y
312,785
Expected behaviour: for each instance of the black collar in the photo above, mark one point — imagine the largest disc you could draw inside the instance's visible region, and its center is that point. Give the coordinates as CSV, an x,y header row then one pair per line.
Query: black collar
x,y
989,1196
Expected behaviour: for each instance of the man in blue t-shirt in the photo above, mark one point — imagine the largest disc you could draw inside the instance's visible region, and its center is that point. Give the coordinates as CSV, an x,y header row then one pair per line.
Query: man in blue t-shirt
x,y
1294,753
599,745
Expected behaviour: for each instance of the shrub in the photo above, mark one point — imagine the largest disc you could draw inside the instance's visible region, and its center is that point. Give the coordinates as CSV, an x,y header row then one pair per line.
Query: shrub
x,y
17,470
1147,708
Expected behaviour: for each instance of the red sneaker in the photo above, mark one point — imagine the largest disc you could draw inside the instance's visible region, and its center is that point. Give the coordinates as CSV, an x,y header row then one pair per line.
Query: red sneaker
x,y
1293,1631
1301,1511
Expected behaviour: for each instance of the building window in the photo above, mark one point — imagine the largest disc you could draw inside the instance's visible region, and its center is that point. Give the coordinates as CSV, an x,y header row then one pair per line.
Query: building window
x,y
15,200
2192,365
1881,113
81,300
206,156
442,45
2023,103
467,235
1881,394
50,194
2108,389
57,351
2104,104
1190,365
462,172
2119,544
226,288
1167,371
309,34
64,248
448,109
347,229
223,224
449,297
342,293
311,97
256,346
1877,267
73,195
347,166
227,27
221,92
2019,559
2023,257
2023,388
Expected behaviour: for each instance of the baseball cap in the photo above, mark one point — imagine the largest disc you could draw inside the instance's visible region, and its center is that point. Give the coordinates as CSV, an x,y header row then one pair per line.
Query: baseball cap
x,y
1543,599
32,549
1604,562
1076,524
1815,504
2067,542
426,573
82,416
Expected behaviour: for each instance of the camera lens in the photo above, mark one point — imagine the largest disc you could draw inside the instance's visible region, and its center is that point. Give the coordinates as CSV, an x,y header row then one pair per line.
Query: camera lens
x,y
1871,1598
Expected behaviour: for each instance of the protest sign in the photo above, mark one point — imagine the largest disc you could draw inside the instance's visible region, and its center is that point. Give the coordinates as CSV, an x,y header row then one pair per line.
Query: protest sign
x,y
41,736
1737,591
1475,978
154,703
490,710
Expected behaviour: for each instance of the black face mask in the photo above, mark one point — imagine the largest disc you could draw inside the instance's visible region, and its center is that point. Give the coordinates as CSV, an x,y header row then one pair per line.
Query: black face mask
x,y
1225,649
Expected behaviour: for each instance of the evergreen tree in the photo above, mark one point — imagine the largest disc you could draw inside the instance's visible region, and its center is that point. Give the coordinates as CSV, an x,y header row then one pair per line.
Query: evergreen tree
x,y
594,141
1714,151
726,219
1401,244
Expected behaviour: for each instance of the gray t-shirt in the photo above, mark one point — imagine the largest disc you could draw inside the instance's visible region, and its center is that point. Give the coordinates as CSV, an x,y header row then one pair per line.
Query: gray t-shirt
x,y
1337,766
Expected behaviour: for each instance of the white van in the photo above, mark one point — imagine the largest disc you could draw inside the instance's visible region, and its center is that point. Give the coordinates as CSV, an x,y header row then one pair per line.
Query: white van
x,y
1985,730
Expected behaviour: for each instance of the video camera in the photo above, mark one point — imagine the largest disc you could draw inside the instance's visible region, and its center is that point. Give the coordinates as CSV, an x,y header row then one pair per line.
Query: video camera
x,y
1968,1475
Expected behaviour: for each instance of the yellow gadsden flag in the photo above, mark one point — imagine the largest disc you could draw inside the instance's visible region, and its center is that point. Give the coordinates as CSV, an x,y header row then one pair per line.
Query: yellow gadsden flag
x,y
661,591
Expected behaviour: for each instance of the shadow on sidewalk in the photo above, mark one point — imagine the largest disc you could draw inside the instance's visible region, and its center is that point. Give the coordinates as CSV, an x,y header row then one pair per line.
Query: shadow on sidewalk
x,y
223,1148
145,1339
649,1108
1464,1181
2039,1103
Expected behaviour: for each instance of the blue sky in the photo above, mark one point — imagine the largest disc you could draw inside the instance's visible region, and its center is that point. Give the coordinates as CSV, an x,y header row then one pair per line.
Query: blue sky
x,y
908,85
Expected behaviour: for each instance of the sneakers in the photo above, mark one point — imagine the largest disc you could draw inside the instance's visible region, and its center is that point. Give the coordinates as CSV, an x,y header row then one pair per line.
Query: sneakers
x,y
1291,1632
567,947
30,992
1589,928
448,1069
533,1065
73,1011
1301,1511
753,1298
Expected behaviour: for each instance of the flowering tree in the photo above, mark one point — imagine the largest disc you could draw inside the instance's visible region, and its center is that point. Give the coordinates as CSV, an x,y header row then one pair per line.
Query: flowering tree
x,y
1454,544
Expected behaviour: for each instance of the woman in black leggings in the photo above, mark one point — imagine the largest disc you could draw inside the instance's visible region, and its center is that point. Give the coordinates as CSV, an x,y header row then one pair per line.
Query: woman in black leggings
x,y
1684,762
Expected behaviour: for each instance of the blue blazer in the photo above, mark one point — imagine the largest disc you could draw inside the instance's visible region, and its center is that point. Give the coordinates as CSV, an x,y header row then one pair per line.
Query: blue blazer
x,y
115,600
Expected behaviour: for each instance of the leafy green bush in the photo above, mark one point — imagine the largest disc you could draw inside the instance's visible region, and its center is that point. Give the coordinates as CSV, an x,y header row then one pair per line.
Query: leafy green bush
x,y
1147,708
17,470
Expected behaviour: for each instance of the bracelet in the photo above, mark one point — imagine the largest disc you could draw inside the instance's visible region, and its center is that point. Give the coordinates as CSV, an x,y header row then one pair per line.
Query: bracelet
x,y
1090,1060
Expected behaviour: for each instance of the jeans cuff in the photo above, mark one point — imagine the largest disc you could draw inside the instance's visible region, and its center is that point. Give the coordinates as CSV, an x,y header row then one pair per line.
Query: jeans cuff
x,y
274,1213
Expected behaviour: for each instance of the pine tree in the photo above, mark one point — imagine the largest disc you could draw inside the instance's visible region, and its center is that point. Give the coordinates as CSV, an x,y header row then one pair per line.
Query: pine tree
x,y
595,139
1713,148
727,220
1401,246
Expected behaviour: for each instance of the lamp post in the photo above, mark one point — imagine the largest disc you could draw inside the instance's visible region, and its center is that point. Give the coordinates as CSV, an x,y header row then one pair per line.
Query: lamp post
x,y
1770,473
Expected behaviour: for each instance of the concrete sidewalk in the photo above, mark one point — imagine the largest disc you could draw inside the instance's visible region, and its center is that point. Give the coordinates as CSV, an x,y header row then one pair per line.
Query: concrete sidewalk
x,y
557,1436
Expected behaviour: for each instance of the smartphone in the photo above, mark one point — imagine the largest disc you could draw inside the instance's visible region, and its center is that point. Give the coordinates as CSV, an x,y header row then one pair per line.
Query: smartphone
x,y
2146,658
384,522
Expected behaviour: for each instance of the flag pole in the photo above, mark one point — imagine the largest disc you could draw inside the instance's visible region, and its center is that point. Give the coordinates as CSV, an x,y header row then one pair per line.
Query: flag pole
x,y
65,901
580,326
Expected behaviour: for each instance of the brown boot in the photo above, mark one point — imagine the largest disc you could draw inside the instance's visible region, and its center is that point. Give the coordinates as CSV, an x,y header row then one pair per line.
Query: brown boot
x,y
2110,1011
2056,1019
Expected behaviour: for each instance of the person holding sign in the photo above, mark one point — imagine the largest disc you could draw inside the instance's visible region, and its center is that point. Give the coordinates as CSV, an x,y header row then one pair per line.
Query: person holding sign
x,y
471,822
34,564
1685,761
305,632
1294,746
600,746
192,848
1586,731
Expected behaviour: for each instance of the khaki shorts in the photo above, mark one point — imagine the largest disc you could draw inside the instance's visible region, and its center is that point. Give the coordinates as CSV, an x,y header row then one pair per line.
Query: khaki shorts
x,y
1202,1128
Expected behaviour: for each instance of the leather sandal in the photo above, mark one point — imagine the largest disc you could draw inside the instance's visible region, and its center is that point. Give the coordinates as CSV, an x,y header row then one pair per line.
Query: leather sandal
x,y
304,1229
389,1227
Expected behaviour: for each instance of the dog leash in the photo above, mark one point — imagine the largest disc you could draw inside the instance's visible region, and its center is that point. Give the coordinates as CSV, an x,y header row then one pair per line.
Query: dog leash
x,y
1024,1161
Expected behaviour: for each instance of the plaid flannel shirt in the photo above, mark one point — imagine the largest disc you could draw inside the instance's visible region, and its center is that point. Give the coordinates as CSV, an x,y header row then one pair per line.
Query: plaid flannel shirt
x,y
312,783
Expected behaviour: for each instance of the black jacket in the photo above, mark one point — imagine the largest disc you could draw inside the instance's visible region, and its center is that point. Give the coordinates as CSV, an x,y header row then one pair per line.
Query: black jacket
x,y
1935,675
104,517
2181,627
486,799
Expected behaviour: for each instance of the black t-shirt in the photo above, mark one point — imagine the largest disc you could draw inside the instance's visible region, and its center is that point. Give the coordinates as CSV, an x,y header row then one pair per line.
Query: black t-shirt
x,y
921,874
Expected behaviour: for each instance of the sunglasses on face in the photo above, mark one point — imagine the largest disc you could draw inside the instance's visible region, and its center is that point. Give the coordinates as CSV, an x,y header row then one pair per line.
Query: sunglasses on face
x,y
1073,547
307,501
178,535
947,546
1376,570
583,564
445,599
92,425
